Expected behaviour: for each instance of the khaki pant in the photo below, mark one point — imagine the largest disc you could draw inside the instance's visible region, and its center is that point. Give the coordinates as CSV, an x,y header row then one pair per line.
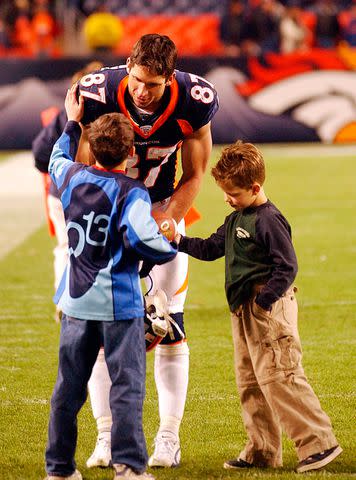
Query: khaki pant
x,y
274,391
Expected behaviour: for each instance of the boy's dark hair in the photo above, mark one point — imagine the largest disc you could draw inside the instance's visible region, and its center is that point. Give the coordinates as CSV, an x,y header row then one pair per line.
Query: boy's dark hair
x,y
240,163
157,53
110,138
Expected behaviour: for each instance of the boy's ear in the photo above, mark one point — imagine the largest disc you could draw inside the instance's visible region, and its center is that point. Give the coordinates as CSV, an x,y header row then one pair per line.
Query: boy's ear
x,y
92,159
132,151
256,188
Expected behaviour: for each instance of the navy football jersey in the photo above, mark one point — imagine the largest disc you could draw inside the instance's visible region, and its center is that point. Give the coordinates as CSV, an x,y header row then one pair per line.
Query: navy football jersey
x,y
110,229
188,103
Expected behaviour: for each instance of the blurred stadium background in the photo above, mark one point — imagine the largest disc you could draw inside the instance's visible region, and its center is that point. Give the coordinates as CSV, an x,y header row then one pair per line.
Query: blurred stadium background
x,y
284,69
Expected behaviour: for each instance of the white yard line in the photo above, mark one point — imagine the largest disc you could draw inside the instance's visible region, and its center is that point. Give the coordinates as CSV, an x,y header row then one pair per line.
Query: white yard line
x,y
21,204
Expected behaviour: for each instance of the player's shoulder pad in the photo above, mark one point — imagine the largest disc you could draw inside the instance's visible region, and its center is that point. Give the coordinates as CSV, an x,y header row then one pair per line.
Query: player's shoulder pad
x,y
200,98
133,186
106,77
99,89
197,87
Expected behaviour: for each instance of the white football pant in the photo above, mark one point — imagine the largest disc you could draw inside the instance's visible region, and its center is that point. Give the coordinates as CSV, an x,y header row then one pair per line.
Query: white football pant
x,y
60,251
171,361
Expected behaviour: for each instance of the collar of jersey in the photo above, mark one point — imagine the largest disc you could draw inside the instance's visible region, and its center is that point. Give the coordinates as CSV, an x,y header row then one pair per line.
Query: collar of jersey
x,y
102,169
160,120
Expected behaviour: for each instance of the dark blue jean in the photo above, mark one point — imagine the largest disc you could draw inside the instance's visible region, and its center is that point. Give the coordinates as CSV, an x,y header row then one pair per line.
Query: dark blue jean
x,y
124,346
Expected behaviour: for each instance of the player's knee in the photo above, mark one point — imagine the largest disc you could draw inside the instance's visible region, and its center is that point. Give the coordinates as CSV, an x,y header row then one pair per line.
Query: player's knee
x,y
172,349
176,302
175,336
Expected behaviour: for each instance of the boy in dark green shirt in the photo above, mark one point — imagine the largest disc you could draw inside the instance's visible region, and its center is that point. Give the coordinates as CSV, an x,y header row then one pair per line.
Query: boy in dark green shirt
x,y
261,266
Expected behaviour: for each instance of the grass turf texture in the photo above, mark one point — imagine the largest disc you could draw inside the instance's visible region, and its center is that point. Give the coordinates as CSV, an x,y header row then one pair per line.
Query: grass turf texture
x,y
4,155
317,196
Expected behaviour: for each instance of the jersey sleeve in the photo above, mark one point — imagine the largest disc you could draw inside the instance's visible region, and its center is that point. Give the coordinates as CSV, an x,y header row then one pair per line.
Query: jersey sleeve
x,y
64,152
201,100
141,231
207,249
99,90
42,145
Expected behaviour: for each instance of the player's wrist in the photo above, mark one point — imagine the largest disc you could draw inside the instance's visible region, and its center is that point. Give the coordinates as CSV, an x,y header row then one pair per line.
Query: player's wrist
x,y
73,128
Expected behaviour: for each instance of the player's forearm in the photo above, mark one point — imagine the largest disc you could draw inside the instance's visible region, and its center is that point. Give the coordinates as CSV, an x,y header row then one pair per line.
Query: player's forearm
x,y
183,198
196,151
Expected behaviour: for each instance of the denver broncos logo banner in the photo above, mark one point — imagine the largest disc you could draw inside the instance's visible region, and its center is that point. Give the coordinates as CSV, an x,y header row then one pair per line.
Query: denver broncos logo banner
x,y
299,97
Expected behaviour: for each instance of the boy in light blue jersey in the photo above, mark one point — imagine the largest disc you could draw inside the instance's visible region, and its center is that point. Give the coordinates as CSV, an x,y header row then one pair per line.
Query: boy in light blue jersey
x,y
110,229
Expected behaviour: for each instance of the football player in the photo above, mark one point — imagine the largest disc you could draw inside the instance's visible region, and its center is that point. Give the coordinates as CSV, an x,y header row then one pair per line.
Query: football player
x,y
170,111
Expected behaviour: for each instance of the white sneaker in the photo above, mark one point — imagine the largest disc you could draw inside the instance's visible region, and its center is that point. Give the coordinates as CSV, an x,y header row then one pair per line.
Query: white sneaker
x,y
124,471
167,451
101,457
75,476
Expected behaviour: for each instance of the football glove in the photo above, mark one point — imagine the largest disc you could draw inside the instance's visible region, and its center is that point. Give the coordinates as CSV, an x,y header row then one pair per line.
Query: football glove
x,y
158,323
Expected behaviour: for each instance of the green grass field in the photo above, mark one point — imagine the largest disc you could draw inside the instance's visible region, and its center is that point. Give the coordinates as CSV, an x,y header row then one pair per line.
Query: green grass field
x,y
317,195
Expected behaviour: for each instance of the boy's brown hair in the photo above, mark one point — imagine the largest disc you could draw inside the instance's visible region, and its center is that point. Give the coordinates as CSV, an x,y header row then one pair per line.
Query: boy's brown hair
x,y
157,53
110,138
241,164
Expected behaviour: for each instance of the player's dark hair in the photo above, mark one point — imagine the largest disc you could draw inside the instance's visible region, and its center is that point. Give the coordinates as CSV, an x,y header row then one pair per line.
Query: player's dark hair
x,y
157,53
110,138
241,164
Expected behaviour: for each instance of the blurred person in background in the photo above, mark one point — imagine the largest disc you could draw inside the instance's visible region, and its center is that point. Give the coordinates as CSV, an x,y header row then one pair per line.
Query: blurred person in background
x,y
293,33
44,27
32,27
102,30
18,18
251,28
265,22
233,27
327,28
348,30
15,9
4,34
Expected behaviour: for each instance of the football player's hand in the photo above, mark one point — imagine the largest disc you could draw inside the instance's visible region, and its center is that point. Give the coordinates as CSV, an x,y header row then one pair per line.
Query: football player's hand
x,y
74,107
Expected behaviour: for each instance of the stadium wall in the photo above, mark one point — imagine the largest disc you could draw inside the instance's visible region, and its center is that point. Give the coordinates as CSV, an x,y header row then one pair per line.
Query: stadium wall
x,y
300,97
